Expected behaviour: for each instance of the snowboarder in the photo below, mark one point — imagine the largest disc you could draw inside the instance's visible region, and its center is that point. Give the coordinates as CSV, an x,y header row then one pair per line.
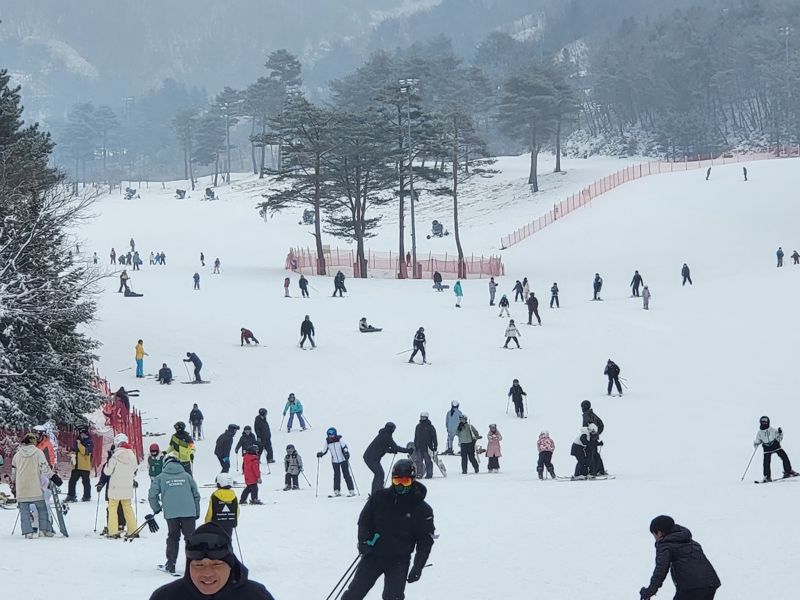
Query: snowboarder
x,y
744,172
492,291
692,573
338,284
246,336
81,459
139,355
686,274
425,445
252,476
459,293
365,327
222,449
545,446
515,392
554,295
451,421
467,437
307,332
635,283
181,446
393,522
263,434
123,281
28,467
246,439
795,258
223,505
197,363
504,306
164,374
196,279
578,450
113,256
295,408
708,173
533,309
196,420
286,287
215,271
202,259
303,286
779,254
419,345
646,298
175,492
512,333
518,291
293,466
597,285
612,372
526,289
340,460
121,471
493,453
770,439
437,281
382,445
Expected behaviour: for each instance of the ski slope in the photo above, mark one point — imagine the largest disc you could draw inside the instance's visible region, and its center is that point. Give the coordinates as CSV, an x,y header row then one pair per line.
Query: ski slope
x,y
702,366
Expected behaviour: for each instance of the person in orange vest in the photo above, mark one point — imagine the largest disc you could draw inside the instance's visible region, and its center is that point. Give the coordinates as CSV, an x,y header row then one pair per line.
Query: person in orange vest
x,y
44,444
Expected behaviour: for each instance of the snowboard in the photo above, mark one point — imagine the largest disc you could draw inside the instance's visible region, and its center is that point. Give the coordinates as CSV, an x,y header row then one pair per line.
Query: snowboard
x,y
163,570
59,508
438,462
373,330
598,478
195,382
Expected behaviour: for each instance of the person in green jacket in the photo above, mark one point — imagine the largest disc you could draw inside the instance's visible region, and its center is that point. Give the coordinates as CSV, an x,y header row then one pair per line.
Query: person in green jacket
x,y
467,436
155,462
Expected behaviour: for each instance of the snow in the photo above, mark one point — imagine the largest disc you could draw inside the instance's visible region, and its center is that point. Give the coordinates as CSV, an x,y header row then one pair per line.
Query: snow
x,y
702,366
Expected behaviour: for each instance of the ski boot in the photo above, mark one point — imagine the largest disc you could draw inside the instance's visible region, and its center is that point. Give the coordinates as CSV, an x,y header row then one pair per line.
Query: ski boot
x,y
790,474
350,493
287,488
295,487
48,534
256,501
30,536
411,360
766,479
552,472
540,472
337,493
70,499
169,567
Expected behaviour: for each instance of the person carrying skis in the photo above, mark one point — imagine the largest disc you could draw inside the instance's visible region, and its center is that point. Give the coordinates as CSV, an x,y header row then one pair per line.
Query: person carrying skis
x,y
196,279
28,467
196,420
139,355
419,346
393,522
293,465
307,332
533,309
246,336
247,439
123,281
338,284
467,437
155,462
437,281
686,274
512,333
164,375
646,298
635,283
612,372
81,459
779,254
518,291
197,363
252,476
425,445
515,392
121,471
459,293
340,460
303,283
692,573
181,446
295,408
770,439
597,285
492,291
554,295
223,505
504,306
578,450
222,449
451,421
263,433
175,492
493,453
286,288
382,445
545,446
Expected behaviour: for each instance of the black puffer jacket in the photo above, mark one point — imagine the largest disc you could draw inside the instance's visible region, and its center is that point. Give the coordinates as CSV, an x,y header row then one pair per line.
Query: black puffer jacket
x,y
516,392
239,587
691,570
404,521
246,440
224,444
261,427
382,445
590,417
425,436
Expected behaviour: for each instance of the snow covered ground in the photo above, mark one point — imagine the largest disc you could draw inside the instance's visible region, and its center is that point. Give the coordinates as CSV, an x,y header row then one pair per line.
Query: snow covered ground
x,y
702,365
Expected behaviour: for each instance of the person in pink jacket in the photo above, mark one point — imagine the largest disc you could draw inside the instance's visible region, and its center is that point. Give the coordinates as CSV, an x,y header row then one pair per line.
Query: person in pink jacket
x,y
493,453
546,446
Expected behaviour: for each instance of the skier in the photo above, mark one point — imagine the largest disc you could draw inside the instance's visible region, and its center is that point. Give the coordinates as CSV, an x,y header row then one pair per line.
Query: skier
x,y
246,336
504,306
175,492
795,258
121,471
222,449
44,444
340,460
578,450
646,298
770,438
451,421
686,274
425,445
133,245
307,332
459,293
588,417
382,445
164,375
202,259
113,256
94,258
140,354
293,465
512,333
295,408
196,278
526,289
246,439
181,446
163,258
286,287
692,573
152,258
215,271
196,420
612,372
252,476
493,453
338,284
545,446
779,254
554,295
123,281
365,327
515,392
136,261
303,286
636,282
419,345
223,505
28,467
593,460
393,522
597,285
467,437
744,172
81,459
155,462
264,435
533,309
198,364
518,291
708,173
437,281
492,291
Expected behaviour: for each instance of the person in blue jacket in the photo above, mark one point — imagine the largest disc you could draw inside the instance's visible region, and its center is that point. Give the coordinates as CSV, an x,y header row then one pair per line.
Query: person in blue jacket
x,y
198,364
294,407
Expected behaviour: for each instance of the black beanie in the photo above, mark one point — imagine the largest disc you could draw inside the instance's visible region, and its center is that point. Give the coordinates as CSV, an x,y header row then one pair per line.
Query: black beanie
x,y
662,523
220,538
586,405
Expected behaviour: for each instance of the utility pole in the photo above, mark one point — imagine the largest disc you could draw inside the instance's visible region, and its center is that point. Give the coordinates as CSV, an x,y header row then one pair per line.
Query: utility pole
x,y
406,87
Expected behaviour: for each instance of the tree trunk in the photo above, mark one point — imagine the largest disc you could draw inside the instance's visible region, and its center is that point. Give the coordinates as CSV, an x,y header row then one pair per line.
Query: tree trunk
x,y
401,248
216,167
253,146
228,145
532,176
558,146
263,146
317,215
189,142
462,268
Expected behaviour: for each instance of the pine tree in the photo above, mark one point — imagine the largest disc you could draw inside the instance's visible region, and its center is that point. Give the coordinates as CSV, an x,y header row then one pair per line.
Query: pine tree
x,y
210,140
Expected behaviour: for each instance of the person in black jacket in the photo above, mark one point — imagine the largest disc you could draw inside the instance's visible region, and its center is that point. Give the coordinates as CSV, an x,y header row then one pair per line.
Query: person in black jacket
x,y
515,392
589,417
533,308
264,435
394,522
196,419
382,445
686,274
338,284
419,345
597,285
247,439
612,372
164,374
437,281
307,332
676,551
212,571
425,444
636,282
303,286
554,295
222,449
198,364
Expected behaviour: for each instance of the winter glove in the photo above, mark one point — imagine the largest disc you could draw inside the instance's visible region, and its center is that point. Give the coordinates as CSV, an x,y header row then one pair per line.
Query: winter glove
x,y
135,484
56,480
72,460
414,574
755,444
644,593
99,487
346,455
320,455
151,523
409,451
259,481
366,546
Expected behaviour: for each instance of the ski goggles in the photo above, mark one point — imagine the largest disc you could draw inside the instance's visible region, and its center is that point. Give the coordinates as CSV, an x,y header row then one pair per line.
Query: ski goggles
x,y
402,481
207,546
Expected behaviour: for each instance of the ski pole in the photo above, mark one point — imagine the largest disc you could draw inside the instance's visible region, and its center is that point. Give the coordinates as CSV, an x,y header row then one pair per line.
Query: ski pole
x,y
316,490
353,475
15,523
306,478
236,454
236,533
403,352
508,404
96,512
389,472
185,366
526,406
345,584
308,422
282,419
346,573
127,369
748,464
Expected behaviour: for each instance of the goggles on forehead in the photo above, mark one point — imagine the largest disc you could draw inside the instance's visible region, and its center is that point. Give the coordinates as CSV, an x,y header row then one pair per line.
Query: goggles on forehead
x,y
403,481
207,547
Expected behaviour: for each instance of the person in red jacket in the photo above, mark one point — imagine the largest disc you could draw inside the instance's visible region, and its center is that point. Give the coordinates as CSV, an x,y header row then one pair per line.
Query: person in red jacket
x,y
252,476
247,336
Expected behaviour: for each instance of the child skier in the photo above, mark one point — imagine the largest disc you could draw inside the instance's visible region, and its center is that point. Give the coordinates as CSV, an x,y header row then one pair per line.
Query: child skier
x,y
515,392
493,453
579,452
512,333
295,408
546,446
771,439
155,462
340,459
293,465
223,505
286,288
252,476
459,293
504,306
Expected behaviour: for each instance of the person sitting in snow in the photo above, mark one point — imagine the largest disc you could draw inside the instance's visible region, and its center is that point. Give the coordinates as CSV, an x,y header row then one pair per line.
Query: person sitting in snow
x,y
364,327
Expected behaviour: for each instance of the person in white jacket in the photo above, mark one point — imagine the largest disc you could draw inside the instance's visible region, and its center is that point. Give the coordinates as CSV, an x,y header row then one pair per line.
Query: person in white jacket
x,y
340,460
28,467
121,471
770,438
512,333
646,298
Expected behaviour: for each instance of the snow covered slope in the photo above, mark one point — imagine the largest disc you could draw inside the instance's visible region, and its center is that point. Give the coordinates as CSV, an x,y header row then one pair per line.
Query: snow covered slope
x,y
702,365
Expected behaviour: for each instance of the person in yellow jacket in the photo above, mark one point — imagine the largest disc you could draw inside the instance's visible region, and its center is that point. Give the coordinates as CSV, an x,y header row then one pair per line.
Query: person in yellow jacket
x,y
223,505
181,446
140,354
81,458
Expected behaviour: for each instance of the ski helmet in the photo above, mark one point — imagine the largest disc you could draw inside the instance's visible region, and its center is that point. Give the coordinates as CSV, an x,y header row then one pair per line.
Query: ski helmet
x,y
120,438
248,428
331,432
463,417
262,412
390,426
516,381
404,468
291,396
423,416
454,404
154,448
224,480
169,458
586,405
592,428
252,449
290,448
180,426
233,427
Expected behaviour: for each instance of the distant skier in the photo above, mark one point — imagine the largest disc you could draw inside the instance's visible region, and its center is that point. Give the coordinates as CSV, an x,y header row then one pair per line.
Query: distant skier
x,y
779,254
286,288
136,261
94,257
686,274
533,309
202,259
612,372
113,256
379,447
152,258
437,281
795,258
196,421
459,293
588,417
365,327
338,284
303,283
123,281
554,295
139,357
196,279
635,283
133,245
216,266
744,172
708,173
425,445
197,363
518,291
493,450
526,289
295,409
419,345
163,258
467,438
251,469
504,306
597,285
545,446
578,450
646,298
246,440
246,336
492,291
512,333
222,449
515,392
340,461
770,439
164,374
264,434
307,332
292,466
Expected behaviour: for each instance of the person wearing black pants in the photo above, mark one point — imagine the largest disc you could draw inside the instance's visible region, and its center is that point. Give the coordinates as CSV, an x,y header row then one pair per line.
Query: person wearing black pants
x,y
686,274
578,450
467,437
307,332
342,469
770,438
533,309
419,345
197,363
612,372
264,435
554,296
222,449
516,393
382,445
635,283
249,491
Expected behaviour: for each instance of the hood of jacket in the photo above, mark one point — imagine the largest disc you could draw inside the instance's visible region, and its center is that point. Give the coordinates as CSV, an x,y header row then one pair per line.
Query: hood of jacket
x,y
27,450
678,535
173,467
125,455
238,579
